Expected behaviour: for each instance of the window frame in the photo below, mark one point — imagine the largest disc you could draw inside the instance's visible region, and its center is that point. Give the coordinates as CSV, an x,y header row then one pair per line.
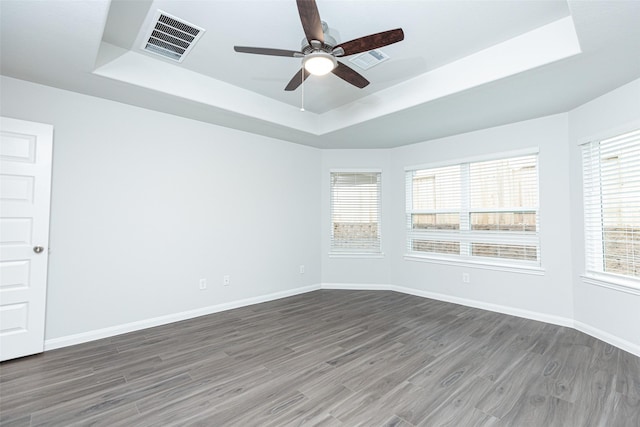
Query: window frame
x,y
616,281
465,235
337,252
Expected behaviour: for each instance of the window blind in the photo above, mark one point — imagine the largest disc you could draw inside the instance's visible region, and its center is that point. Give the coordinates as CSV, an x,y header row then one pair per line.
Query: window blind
x,y
611,184
475,210
504,201
355,212
434,205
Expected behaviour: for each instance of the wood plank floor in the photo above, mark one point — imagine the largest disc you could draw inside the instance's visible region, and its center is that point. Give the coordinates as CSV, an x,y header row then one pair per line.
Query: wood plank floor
x,y
331,358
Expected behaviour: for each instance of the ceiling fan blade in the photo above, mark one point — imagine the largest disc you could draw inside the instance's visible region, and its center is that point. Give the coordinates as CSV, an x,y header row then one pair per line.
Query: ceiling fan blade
x,y
370,42
310,18
268,51
350,76
297,80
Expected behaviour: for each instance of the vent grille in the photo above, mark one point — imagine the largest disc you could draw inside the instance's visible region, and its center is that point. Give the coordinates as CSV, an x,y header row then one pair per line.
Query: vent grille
x,y
369,59
171,37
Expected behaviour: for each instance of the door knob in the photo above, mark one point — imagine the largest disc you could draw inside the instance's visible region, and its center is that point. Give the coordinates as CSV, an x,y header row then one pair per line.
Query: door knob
x,y
38,249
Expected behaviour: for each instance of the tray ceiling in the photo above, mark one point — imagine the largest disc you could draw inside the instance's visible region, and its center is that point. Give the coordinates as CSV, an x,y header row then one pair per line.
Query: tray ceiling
x,y
463,65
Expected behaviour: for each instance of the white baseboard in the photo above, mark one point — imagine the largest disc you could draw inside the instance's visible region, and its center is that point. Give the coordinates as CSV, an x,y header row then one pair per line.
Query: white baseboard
x,y
97,334
608,338
542,317
527,314
357,286
504,309
69,340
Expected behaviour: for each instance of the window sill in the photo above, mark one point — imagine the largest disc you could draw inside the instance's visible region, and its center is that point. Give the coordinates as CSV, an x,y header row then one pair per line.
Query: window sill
x,y
612,282
537,271
376,255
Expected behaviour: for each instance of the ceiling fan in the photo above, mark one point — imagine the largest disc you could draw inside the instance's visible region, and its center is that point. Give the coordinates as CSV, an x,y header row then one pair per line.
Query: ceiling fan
x,y
319,50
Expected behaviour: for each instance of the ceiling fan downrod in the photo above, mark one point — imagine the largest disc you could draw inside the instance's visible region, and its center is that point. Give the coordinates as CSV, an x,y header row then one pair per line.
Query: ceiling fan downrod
x,y
302,89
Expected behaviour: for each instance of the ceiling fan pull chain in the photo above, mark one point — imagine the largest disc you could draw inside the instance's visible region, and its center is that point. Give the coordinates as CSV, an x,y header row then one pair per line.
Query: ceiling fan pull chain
x,y
302,89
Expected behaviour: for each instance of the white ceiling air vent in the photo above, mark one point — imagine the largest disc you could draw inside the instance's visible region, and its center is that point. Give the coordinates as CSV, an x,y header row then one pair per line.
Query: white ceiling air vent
x,y
368,59
171,37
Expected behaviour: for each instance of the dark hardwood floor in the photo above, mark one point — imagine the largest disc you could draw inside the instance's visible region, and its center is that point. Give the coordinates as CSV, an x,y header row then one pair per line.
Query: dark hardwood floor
x,y
331,358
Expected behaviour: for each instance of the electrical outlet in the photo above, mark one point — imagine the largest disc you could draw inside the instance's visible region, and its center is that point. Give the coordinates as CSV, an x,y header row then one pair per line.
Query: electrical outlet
x,y
302,269
203,284
226,280
465,278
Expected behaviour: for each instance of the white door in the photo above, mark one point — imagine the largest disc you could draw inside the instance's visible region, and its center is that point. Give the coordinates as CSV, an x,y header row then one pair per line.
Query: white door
x,y
25,188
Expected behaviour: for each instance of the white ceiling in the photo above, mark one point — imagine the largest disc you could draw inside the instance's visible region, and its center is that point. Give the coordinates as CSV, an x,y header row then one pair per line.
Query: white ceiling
x,y
464,65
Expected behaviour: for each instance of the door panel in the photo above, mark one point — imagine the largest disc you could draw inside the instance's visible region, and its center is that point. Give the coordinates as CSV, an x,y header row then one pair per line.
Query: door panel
x,y
25,187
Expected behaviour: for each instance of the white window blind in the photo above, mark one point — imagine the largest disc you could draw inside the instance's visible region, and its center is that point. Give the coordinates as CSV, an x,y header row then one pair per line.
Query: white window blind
x,y
355,212
611,183
434,205
475,211
504,208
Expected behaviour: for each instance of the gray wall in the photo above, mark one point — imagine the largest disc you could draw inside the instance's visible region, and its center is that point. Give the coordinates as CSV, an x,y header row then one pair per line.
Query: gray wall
x,y
613,311
549,293
145,204
359,270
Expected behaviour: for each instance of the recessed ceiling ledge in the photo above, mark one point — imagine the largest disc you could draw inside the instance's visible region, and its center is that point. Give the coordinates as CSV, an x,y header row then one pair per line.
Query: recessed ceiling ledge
x,y
544,45
140,70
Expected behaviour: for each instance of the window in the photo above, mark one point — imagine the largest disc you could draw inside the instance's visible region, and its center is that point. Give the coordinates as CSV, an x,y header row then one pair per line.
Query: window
x,y
611,180
484,211
355,212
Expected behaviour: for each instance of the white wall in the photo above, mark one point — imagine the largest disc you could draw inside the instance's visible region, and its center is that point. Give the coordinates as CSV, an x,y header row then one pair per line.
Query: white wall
x,y
365,270
548,295
144,204
559,295
610,313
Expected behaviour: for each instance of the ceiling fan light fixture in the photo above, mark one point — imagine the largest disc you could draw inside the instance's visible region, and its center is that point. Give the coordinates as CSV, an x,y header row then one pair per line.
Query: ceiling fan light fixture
x,y
319,63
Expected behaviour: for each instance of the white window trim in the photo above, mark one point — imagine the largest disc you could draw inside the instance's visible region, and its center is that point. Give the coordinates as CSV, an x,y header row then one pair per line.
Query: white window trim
x,y
618,130
355,170
480,263
354,255
593,235
616,282
612,281
497,156
518,266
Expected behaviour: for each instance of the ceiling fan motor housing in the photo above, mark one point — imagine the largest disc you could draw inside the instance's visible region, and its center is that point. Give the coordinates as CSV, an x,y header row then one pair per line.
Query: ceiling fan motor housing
x,y
327,46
